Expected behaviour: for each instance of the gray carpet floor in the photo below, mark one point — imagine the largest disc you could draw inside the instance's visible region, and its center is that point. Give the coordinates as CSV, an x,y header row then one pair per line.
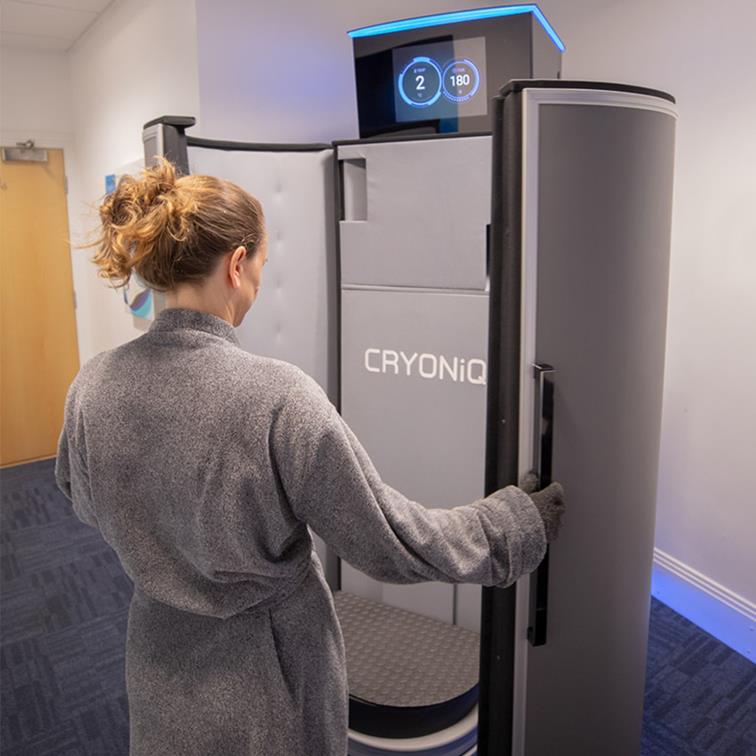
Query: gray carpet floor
x,y
63,610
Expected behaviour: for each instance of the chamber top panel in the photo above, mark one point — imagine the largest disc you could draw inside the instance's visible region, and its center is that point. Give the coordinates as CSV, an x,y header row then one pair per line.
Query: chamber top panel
x,y
437,74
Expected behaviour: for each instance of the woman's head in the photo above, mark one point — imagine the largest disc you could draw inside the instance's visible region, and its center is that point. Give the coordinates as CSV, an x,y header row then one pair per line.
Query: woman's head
x,y
197,235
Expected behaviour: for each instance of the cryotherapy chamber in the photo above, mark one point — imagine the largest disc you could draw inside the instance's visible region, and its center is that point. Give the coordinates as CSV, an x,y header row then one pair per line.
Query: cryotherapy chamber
x,y
503,300
491,267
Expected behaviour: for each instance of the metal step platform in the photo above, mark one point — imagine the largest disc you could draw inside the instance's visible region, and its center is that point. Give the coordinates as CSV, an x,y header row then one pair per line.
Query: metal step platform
x,y
413,680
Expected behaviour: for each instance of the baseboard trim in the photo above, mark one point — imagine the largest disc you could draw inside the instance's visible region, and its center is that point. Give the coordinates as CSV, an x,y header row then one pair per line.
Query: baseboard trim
x,y
719,611
31,461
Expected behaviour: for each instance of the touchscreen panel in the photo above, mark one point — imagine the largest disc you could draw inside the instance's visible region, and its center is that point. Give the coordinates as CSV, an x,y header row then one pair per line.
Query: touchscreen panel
x,y
440,80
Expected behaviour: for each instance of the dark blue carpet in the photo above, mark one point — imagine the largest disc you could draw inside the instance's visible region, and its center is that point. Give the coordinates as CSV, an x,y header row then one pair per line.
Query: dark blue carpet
x,y
700,694
63,612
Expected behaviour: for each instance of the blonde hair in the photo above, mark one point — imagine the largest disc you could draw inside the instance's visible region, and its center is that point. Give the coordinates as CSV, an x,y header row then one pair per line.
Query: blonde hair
x,y
171,229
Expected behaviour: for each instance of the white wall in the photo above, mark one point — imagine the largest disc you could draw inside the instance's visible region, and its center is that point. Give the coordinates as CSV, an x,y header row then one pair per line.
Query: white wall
x,y
35,97
136,62
283,72
35,103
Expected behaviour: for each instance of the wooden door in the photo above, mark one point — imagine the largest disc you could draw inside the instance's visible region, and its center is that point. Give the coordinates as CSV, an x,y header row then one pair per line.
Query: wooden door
x,y
39,355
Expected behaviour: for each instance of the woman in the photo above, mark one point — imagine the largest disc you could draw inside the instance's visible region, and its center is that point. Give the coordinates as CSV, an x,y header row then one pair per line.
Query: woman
x,y
203,466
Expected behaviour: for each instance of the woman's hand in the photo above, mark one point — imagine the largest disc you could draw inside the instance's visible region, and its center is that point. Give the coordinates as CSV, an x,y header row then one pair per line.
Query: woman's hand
x,y
549,501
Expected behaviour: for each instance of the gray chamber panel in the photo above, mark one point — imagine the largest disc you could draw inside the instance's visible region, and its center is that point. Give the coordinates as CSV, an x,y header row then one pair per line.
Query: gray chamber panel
x,y
294,316
546,56
413,391
604,209
415,213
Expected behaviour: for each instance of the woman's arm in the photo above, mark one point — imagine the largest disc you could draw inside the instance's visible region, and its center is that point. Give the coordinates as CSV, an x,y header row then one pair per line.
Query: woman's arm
x,y
332,485
70,468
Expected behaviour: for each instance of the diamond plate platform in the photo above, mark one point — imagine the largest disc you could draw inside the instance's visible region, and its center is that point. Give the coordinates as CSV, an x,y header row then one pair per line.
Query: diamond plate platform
x,y
408,674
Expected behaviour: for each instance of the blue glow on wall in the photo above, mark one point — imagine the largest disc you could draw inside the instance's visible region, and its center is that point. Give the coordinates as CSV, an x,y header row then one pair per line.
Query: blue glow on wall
x,y
733,627
454,18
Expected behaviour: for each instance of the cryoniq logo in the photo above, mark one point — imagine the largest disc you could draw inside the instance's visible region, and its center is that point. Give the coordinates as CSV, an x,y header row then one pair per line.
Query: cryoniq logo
x,y
425,365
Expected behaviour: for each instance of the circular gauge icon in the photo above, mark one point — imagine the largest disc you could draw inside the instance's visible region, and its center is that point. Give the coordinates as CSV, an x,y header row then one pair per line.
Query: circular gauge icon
x,y
420,82
461,80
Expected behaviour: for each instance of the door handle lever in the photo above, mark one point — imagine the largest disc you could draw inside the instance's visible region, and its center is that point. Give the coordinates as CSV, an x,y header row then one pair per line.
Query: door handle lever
x,y
543,437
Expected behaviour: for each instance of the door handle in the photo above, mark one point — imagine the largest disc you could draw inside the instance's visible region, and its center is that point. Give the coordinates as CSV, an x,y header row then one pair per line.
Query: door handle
x,y
543,437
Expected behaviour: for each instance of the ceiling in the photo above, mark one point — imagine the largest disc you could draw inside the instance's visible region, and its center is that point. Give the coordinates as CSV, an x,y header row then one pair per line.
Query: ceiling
x,y
46,24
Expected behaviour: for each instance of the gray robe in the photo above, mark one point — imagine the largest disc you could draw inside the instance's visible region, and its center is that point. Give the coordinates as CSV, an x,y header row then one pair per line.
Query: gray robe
x,y
203,465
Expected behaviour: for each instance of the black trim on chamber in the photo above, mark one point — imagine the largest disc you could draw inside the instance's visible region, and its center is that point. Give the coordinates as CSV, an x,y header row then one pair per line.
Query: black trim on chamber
x,y
497,641
180,122
518,85
339,216
408,721
173,139
333,560
223,144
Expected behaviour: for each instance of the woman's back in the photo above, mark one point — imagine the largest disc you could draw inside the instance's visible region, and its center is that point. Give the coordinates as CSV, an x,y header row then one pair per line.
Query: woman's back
x,y
174,429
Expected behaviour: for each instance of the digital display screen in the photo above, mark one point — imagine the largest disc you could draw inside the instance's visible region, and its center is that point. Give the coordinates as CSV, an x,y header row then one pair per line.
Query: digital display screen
x,y
440,80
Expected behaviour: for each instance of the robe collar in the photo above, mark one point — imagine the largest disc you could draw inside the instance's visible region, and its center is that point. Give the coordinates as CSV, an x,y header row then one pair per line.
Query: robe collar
x,y
178,318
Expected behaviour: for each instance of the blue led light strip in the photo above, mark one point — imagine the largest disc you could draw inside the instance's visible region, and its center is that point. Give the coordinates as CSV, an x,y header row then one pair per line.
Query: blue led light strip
x,y
455,18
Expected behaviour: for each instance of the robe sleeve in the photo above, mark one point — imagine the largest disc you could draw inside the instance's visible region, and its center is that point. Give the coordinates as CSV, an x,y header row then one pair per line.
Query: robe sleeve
x,y
70,468
333,486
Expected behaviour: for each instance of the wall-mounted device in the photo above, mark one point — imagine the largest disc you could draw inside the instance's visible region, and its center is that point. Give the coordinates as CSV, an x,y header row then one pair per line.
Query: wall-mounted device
x,y
438,74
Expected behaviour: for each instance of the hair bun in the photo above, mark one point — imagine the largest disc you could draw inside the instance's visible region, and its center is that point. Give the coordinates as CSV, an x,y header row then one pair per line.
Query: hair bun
x,y
136,215
171,228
